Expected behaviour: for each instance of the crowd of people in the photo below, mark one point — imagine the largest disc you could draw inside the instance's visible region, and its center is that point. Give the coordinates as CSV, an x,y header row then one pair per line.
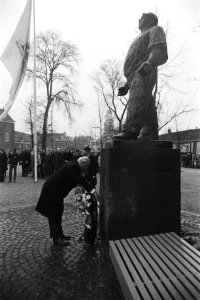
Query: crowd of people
x,y
48,162
188,160
9,162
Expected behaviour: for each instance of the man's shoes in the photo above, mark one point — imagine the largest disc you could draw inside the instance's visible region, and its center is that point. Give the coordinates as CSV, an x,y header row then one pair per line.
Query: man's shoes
x,y
66,237
60,242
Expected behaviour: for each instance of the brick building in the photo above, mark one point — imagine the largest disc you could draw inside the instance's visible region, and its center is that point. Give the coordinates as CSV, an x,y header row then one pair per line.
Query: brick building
x,y
7,128
10,139
58,141
22,141
188,141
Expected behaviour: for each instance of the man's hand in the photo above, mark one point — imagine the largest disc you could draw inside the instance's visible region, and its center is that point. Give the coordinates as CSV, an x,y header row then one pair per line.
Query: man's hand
x,y
122,91
94,193
145,68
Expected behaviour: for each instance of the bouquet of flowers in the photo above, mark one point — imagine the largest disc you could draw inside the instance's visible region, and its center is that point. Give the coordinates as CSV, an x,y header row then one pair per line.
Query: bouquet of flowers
x,y
87,207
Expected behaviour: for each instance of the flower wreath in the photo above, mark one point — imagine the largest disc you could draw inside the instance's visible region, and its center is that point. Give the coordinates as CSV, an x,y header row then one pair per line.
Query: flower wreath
x,y
83,202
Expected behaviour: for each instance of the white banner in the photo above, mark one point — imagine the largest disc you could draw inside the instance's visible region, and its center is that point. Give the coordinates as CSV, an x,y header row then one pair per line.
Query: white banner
x,y
15,56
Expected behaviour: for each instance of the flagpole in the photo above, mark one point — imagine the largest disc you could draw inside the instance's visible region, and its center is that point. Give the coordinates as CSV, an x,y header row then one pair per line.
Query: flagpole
x,y
35,101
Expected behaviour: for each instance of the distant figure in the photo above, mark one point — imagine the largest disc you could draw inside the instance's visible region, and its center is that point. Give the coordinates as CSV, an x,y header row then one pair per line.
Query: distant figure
x,y
58,160
3,165
147,51
68,156
55,189
93,167
77,153
13,160
25,161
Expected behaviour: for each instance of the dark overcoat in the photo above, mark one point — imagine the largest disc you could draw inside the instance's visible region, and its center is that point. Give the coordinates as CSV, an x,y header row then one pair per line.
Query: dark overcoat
x,y
92,170
57,187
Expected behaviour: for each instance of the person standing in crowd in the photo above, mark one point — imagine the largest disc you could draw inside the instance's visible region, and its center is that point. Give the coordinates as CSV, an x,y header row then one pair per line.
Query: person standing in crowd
x,y
13,160
58,160
3,165
76,154
67,155
47,165
55,189
93,167
25,162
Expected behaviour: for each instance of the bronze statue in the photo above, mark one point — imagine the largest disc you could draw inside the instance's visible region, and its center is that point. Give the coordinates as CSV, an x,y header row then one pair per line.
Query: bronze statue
x,y
147,51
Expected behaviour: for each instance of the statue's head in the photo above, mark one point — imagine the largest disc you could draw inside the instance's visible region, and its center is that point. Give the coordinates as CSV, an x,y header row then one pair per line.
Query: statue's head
x,y
148,20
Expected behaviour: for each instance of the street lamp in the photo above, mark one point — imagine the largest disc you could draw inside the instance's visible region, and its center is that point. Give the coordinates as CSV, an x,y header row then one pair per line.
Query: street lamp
x,y
51,136
95,127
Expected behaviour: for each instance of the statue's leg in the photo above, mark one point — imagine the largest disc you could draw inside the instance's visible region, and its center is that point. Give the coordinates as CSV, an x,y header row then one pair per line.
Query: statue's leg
x,y
143,111
141,119
132,125
150,127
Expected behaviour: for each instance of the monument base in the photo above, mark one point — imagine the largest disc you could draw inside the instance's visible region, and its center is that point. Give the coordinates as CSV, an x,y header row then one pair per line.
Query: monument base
x,y
139,189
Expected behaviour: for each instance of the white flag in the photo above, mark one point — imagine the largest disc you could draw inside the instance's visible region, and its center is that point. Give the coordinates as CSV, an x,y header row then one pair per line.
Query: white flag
x,y
15,56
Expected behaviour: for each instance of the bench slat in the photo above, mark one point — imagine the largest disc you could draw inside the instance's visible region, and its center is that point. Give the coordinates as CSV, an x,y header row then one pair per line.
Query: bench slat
x,y
145,261
182,256
177,287
160,266
180,240
134,261
128,288
175,266
181,264
192,252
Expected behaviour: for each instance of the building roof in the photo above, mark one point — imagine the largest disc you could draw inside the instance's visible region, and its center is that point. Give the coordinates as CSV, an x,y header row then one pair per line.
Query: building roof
x,y
7,118
186,135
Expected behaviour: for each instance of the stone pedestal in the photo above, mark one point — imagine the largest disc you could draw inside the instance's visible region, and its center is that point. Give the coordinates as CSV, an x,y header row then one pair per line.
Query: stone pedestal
x,y
139,189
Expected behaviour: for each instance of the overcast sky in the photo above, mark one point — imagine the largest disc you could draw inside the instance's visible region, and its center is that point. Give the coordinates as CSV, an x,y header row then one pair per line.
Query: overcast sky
x,y
104,29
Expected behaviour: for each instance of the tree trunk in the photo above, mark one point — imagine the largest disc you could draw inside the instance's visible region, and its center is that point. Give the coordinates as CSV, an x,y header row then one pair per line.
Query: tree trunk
x,y
44,130
32,136
120,125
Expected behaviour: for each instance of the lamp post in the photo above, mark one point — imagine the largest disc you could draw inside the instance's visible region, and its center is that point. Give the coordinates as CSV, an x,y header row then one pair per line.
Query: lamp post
x,y
51,137
95,127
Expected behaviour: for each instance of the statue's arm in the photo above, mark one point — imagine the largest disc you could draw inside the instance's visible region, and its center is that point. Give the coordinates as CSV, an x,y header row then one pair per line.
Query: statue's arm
x,y
158,56
122,91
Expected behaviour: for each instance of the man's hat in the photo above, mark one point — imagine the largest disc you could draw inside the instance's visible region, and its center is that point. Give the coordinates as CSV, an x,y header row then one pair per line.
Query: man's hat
x,y
87,148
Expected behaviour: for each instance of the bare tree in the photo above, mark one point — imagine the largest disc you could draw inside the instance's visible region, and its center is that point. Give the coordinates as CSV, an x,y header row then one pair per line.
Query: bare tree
x,y
101,112
106,84
100,115
29,118
56,63
166,85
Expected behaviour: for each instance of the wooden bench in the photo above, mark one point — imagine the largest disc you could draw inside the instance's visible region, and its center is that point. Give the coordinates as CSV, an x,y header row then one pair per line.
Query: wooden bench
x,y
161,266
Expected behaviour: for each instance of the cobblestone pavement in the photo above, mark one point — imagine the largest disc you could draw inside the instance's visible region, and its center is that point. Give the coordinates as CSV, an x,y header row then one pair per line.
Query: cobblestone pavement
x,y
190,229
32,268
24,192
